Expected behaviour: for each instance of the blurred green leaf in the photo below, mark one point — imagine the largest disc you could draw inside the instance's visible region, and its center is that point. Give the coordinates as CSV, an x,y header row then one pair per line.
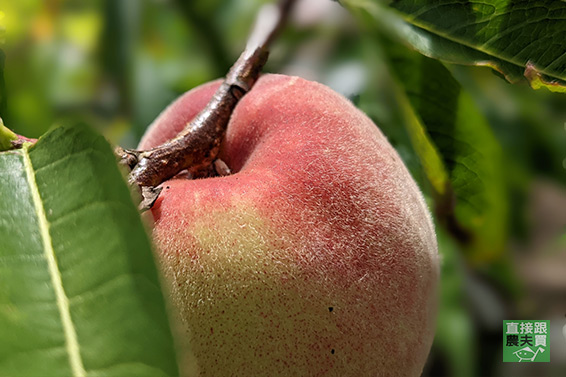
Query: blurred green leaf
x,y
454,336
430,157
530,126
2,28
452,139
79,290
505,35
119,37
3,95
211,42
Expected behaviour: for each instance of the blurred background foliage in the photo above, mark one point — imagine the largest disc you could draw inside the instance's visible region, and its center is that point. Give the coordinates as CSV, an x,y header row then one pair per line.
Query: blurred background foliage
x,y
489,156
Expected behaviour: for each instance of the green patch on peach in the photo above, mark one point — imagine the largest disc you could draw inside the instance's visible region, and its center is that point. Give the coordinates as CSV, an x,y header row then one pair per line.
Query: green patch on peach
x,y
243,291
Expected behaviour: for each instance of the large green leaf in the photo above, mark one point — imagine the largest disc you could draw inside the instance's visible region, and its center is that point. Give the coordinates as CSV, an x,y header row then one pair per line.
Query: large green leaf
x,y
513,37
79,290
459,154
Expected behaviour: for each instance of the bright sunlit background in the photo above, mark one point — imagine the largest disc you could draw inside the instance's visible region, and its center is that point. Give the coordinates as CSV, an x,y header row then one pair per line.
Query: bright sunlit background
x,y
117,64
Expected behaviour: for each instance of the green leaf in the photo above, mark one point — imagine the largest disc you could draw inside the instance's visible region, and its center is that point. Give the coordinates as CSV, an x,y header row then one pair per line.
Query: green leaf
x,y
79,290
505,35
529,124
453,139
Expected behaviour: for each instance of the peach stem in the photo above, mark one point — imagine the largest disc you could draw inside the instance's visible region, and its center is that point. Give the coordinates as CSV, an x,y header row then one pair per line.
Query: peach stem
x,y
197,146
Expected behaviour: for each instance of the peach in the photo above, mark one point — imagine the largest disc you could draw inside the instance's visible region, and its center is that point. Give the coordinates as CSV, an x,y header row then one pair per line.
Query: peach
x,y
316,257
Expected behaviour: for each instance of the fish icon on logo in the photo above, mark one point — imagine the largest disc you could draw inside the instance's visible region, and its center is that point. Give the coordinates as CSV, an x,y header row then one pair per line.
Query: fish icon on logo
x,y
527,354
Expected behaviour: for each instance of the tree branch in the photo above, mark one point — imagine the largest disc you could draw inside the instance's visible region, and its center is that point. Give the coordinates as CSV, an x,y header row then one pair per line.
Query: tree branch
x,y
197,146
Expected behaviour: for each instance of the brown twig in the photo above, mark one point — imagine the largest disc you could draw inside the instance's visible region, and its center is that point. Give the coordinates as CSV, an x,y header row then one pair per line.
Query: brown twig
x,y
197,146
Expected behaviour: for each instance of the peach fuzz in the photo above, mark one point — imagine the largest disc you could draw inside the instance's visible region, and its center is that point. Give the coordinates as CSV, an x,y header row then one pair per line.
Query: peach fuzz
x,y
316,257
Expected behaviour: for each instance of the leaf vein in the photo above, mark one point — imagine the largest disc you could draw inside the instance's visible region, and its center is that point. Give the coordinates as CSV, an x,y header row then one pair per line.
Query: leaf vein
x,y
71,342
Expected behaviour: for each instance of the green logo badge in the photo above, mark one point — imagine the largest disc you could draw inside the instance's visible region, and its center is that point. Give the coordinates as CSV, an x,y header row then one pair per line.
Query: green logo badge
x,y
526,341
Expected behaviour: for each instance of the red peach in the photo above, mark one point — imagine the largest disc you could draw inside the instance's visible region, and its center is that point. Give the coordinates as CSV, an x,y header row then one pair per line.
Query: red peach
x,y
316,257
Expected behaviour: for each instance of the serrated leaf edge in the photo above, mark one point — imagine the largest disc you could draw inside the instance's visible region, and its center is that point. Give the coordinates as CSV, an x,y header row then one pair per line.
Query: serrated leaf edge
x,y
71,341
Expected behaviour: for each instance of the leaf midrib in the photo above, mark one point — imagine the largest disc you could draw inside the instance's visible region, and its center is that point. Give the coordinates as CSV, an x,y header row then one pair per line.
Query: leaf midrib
x,y
71,341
